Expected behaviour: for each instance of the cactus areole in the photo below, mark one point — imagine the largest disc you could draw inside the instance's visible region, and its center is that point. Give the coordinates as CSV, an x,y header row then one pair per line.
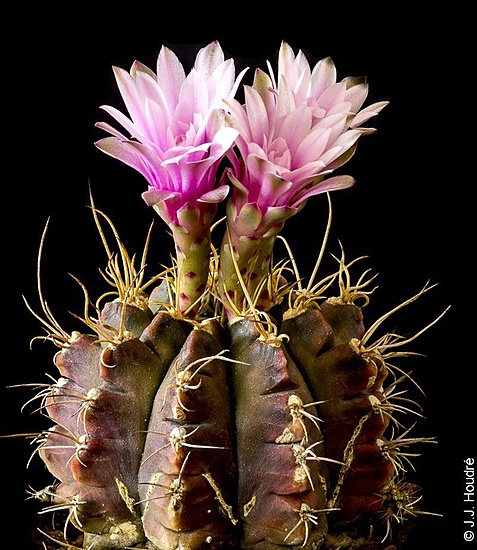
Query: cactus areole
x,y
228,402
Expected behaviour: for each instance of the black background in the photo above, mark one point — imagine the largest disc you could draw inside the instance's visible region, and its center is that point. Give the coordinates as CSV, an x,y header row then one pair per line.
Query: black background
x,y
411,211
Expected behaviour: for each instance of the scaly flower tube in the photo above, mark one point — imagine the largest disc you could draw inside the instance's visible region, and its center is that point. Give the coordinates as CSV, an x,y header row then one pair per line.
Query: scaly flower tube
x,y
294,131
177,139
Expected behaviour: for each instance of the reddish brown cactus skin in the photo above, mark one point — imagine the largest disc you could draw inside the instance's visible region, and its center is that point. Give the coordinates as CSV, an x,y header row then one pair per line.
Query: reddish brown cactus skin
x,y
187,476
349,387
101,406
277,486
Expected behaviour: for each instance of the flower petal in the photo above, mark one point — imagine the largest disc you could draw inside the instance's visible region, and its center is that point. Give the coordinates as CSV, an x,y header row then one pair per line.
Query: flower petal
x,y
216,195
328,185
154,195
368,113
170,75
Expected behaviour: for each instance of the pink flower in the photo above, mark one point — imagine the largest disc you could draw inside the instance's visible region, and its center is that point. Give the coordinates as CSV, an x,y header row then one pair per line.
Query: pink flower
x,y
294,131
176,133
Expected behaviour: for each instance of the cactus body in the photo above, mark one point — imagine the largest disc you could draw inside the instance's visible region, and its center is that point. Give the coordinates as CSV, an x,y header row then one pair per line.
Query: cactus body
x,y
350,388
180,434
280,475
188,470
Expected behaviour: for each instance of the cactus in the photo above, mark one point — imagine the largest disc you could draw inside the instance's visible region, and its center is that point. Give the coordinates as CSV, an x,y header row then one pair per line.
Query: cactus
x,y
222,403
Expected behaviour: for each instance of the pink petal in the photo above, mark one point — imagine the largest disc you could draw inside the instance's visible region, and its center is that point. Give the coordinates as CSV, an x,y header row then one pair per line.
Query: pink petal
x,y
222,142
286,57
263,84
208,59
326,186
286,101
294,69
257,115
216,195
273,189
127,87
134,155
312,146
220,83
368,112
153,195
138,68
336,93
357,96
295,127
323,76
259,166
170,75
111,130
193,97
238,118
125,122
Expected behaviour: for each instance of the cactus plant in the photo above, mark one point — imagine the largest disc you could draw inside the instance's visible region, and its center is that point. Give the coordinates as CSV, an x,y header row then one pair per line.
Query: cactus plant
x,y
223,402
